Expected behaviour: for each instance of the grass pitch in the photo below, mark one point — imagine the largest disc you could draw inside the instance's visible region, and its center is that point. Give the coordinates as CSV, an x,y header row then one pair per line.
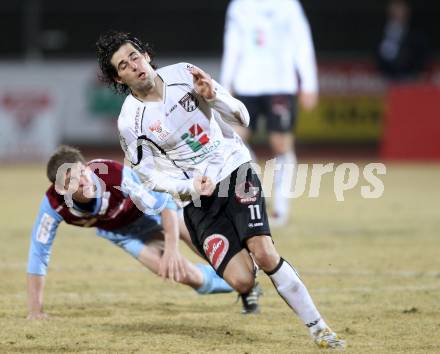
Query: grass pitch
x,y
372,267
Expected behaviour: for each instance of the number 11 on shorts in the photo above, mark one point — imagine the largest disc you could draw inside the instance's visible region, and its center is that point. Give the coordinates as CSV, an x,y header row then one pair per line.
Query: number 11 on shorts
x,y
255,211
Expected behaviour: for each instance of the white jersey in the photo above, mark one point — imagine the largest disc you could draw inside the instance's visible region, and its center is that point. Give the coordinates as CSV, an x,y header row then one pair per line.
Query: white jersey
x,y
266,44
171,141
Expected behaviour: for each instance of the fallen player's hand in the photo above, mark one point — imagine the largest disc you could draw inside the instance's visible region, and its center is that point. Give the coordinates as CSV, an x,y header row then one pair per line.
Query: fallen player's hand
x,y
171,266
37,316
203,83
204,185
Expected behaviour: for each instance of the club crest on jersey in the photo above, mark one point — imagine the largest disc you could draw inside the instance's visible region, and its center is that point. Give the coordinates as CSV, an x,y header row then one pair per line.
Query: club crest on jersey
x,y
215,247
195,138
246,193
189,102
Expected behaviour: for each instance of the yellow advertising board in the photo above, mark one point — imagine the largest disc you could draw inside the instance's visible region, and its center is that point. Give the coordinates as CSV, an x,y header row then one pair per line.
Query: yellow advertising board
x,y
342,118
351,105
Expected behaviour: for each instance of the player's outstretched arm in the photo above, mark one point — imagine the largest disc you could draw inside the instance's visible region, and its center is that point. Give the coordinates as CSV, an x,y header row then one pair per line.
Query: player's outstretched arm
x,y
171,263
43,235
203,83
35,290
231,110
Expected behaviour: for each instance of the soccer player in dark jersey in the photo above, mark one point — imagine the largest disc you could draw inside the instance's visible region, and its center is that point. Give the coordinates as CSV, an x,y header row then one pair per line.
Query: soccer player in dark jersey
x,y
108,196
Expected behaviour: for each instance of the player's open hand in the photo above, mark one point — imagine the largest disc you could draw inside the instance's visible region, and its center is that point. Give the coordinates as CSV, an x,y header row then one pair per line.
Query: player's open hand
x,y
171,266
203,83
204,185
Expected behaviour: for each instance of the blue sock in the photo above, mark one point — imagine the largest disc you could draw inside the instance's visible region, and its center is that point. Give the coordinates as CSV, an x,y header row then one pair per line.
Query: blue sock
x,y
212,283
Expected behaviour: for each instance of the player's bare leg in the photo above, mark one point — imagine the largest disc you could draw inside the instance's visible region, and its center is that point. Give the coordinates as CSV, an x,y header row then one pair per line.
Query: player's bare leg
x,y
292,290
282,147
240,274
200,277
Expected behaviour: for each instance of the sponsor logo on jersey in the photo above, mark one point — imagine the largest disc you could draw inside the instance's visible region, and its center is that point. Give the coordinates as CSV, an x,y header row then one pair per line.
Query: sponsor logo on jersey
x,y
44,229
189,102
159,131
195,138
204,152
246,193
216,246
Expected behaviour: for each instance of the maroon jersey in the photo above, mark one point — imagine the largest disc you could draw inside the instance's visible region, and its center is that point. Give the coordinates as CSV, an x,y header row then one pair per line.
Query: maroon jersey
x,y
115,209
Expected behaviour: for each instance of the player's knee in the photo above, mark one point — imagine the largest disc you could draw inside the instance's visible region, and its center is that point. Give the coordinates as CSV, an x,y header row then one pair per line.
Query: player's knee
x,y
266,257
242,283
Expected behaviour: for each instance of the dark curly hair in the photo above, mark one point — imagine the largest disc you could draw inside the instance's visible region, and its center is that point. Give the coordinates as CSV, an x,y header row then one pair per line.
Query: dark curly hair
x,y
106,46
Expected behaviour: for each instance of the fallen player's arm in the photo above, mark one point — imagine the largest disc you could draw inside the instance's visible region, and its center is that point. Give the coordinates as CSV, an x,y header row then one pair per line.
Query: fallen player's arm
x,y
43,235
35,290
171,264
152,203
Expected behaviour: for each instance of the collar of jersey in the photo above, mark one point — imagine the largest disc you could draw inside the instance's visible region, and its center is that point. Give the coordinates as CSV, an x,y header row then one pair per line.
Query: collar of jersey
x,y
98,197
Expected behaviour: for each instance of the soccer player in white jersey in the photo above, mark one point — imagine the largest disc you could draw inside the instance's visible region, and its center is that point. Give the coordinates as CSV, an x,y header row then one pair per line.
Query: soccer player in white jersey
x,y
175,130
267,48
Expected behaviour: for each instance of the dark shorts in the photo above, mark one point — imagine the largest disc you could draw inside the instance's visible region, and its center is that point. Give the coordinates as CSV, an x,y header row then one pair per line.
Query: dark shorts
x,y
280,111
236,211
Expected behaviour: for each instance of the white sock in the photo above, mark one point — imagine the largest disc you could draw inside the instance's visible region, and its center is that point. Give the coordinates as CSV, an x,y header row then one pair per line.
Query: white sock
x,y
293,291
281,185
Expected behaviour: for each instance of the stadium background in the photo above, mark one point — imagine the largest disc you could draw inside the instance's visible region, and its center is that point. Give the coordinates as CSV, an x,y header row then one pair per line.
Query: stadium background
x,y
49,90
372,265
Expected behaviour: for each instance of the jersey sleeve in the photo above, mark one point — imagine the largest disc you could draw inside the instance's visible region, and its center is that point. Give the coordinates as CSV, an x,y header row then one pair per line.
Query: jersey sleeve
x,y
138,152
305,61
231,110
146,200
43,235
170,204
